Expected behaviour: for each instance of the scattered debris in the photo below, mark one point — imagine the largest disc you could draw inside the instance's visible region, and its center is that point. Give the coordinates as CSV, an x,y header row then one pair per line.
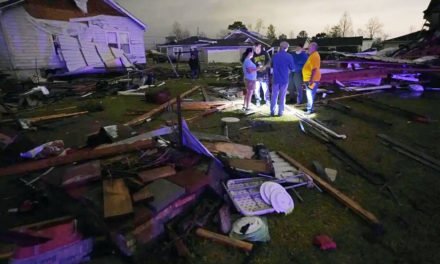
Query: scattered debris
x,y
324,242
410,152
251,228
224,239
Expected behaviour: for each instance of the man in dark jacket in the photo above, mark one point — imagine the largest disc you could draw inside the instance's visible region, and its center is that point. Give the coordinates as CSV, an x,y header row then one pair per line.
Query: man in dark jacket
x,y
262,61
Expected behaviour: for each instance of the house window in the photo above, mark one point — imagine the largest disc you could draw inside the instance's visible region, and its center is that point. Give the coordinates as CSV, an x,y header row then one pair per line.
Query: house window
x,y
124,42
119,40
112,39
177,50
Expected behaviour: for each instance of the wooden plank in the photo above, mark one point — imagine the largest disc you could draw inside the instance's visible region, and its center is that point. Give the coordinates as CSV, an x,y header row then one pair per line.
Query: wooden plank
x,y
256,166
80,155
45,223
344,199
246,246
209,112
157,173
140,119
142,194
117,199
196,106
57,116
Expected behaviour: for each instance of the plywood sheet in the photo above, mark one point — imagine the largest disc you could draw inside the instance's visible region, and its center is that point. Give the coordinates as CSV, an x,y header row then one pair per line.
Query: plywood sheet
x,y
157,173
117,199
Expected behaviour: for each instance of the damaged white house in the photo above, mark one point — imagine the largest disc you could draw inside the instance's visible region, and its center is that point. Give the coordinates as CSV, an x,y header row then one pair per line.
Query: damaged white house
x,y
66,37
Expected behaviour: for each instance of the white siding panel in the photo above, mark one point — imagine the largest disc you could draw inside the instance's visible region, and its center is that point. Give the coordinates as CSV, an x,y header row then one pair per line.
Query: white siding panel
x,y
29,46
71,53
5,61
91,55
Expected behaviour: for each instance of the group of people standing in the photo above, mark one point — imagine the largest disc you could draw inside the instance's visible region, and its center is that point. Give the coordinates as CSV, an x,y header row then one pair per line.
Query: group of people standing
x,y
301,68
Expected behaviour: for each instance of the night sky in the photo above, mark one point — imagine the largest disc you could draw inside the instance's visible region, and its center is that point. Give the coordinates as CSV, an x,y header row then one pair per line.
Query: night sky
x,y
288,16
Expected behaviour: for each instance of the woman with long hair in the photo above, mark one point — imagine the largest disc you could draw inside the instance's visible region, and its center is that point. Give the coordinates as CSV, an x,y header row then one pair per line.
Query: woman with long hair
x,y
250,76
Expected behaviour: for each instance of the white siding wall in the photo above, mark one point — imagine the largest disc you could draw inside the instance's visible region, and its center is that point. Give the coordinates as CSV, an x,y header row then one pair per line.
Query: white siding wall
x,y
5,62
98,27
27,44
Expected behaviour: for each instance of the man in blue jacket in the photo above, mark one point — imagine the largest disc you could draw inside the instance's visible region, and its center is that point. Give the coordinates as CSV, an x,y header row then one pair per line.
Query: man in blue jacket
x,y
282,64
299,59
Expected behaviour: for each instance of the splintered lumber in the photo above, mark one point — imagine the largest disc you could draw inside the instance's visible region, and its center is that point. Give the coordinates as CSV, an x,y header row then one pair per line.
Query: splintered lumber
x,y
80,155
157,173
344,199
353,75
142,194
140,119
117,199
210,111
246,246
202,105
369,74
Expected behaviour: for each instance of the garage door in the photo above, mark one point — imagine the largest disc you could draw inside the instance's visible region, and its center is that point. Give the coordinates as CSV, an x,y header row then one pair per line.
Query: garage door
x,y
224,56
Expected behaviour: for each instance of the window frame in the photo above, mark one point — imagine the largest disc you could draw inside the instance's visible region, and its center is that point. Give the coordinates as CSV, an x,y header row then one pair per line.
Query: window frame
x,y
118,39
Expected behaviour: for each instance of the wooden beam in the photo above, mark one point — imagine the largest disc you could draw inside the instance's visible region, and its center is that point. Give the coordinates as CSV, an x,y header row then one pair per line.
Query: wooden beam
x,y
157,173
344,199
51,117
79,155
141,119
196,106
246,246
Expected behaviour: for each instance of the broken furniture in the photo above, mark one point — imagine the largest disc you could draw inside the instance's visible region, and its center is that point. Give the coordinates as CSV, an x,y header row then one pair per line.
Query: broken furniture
x,y
250,198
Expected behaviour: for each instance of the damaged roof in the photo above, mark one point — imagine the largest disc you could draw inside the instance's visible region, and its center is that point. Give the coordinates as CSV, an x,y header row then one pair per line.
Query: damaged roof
x,y
434,6
349,41
194,40
408,37
67,9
